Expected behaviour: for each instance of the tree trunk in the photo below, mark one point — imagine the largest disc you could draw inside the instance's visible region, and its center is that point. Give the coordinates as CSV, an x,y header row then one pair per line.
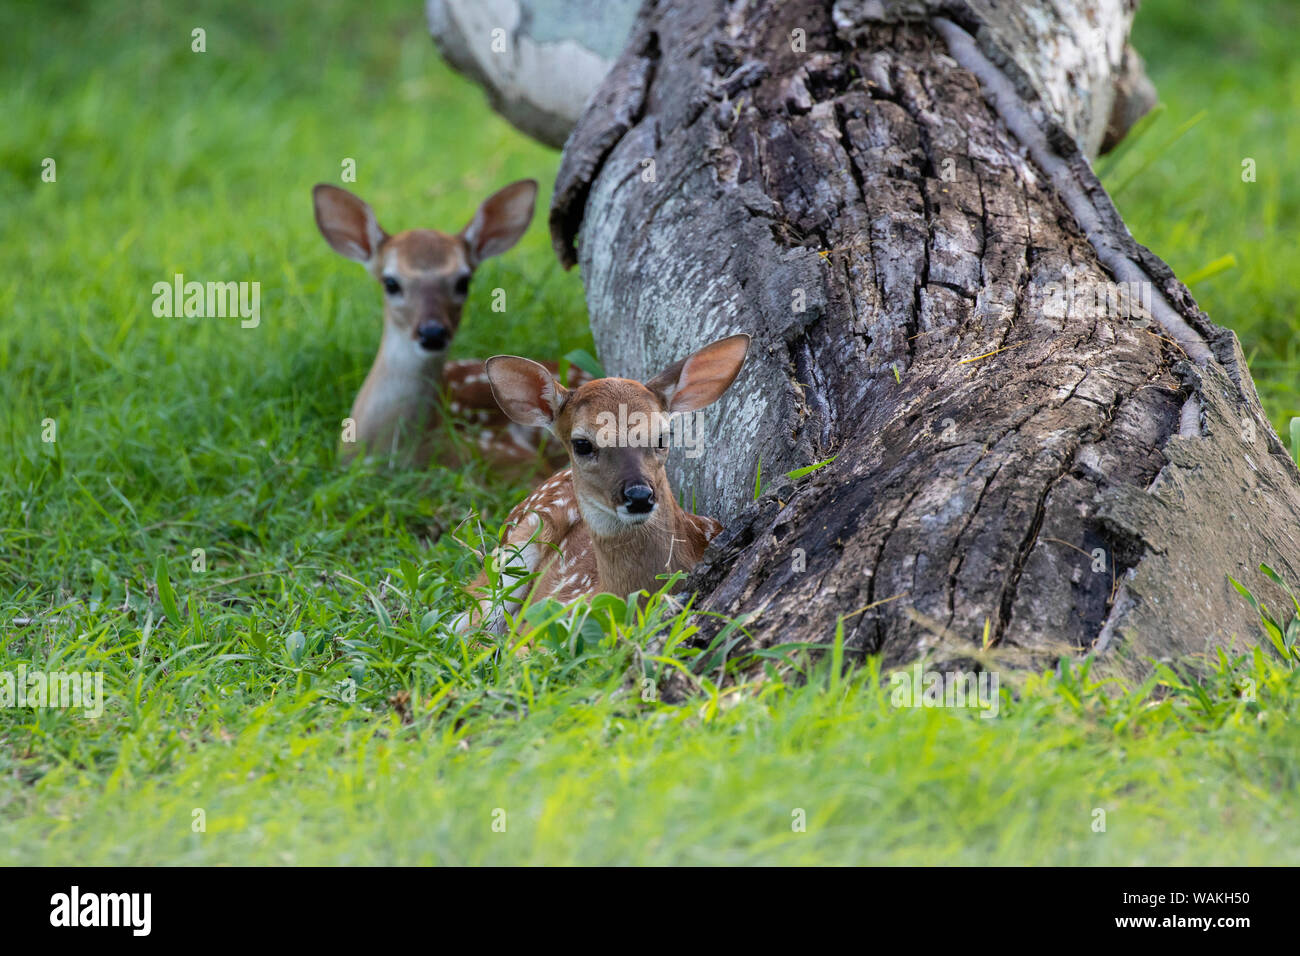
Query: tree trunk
x,y
899,209
539,60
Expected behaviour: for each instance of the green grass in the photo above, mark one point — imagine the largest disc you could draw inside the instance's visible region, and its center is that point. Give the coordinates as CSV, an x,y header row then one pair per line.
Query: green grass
x,y
303,691
1233,64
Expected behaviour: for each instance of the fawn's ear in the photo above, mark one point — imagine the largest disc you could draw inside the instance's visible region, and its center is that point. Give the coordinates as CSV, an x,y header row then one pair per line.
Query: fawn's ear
x,y
347,223
700,379
501,220
526,391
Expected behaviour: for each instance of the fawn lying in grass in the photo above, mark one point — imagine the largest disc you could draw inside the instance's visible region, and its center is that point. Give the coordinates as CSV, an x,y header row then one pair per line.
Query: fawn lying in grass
x,y
609,522
425,275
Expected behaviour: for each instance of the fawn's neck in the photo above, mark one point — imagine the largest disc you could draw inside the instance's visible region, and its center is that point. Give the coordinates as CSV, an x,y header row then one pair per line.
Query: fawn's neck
x,y
398,404
630,561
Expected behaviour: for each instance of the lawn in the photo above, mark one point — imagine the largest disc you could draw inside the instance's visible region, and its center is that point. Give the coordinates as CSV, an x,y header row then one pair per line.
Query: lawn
x,y
280,684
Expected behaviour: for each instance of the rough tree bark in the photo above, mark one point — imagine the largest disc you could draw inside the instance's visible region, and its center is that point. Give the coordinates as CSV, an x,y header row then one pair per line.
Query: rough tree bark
x,y
888,208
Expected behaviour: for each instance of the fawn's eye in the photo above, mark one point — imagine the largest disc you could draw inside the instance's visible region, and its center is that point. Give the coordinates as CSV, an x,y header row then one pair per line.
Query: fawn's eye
x,y
462,286
583,447
392,286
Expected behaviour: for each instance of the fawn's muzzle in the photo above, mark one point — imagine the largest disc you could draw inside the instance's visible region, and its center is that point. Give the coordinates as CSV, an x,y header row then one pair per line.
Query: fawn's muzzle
x,y
433,335
638,498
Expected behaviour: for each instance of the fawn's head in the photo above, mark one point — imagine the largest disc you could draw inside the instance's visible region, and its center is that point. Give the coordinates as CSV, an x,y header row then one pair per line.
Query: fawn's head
x,y
424,273
616,430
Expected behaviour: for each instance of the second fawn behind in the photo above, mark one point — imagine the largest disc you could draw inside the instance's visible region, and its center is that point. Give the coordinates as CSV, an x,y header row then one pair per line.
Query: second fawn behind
x,y
425,276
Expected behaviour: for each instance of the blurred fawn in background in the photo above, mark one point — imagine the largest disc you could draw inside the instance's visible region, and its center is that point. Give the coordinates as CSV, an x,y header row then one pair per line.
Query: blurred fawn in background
x,y
425,275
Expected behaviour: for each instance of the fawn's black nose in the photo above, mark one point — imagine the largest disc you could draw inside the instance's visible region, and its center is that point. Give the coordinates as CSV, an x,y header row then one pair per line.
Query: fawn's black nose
x,y
433,336
639,498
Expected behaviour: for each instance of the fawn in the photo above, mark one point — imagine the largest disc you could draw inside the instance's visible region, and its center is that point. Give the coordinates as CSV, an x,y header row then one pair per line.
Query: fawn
x,y
609,522
425,275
